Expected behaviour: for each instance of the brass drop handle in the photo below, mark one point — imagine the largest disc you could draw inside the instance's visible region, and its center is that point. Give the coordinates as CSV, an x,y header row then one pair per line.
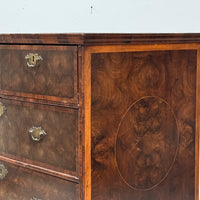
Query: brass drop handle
x,y
3,171
37,133
32,59
2,109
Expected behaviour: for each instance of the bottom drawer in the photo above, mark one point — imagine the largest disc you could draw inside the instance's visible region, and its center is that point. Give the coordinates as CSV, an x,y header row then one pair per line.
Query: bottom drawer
x,y
25,184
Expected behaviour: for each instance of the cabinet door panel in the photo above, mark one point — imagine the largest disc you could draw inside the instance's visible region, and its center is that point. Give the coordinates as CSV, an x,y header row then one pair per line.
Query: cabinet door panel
x,y
143,125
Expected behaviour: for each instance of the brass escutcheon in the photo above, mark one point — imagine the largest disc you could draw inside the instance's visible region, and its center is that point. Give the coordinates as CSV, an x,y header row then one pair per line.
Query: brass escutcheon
x,y
3,171
2,109
37,133
33,198
32,59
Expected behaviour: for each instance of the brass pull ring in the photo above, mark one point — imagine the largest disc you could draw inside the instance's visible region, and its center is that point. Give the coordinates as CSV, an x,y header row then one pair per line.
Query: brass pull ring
x,y
32,59
3,171
37,133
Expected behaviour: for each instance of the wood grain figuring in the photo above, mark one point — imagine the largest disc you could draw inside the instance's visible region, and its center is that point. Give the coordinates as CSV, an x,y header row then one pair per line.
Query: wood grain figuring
x,y
24,184
55,75
56,149
143,125
144,131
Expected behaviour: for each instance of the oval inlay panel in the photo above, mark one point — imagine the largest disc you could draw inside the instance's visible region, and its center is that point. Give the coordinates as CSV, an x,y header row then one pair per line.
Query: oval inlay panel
x,y
147,143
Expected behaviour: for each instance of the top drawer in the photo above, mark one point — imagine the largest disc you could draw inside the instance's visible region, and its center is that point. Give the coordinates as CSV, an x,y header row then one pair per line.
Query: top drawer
x,y
41,72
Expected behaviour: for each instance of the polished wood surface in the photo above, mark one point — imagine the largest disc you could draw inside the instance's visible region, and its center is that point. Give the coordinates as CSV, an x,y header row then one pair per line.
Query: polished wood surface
x,y
54,77
24,184
57,148
148,137
143,125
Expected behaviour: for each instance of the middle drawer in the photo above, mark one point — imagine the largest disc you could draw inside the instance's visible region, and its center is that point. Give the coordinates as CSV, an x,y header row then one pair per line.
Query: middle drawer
x,y
39,134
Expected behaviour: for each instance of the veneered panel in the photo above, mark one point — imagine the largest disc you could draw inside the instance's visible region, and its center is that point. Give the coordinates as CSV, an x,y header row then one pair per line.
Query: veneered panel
x,y
143,125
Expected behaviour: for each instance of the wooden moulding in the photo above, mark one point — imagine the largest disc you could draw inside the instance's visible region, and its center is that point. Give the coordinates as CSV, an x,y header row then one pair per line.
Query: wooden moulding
x,y
99,39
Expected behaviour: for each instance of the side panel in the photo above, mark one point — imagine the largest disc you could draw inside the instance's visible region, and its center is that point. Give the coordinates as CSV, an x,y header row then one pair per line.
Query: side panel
x,y
143,125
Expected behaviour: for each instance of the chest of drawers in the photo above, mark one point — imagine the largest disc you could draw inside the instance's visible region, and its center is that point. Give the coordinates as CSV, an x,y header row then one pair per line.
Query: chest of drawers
x,y
99,116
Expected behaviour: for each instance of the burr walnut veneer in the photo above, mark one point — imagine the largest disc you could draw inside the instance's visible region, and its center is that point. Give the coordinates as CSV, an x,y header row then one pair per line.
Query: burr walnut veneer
x,y
99,116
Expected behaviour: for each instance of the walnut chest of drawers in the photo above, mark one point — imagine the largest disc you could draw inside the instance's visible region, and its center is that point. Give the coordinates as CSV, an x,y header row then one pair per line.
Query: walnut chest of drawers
x,y
99,116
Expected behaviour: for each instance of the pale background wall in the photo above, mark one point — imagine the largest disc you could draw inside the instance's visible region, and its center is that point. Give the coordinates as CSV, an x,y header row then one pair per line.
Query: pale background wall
x,y
58,16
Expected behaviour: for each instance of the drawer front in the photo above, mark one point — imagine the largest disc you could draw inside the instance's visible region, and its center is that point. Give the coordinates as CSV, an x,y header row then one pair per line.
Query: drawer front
x,y
56,145
45,72
24,184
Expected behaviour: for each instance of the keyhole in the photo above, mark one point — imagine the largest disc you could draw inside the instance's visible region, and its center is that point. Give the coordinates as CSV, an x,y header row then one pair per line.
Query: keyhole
x,y
33,59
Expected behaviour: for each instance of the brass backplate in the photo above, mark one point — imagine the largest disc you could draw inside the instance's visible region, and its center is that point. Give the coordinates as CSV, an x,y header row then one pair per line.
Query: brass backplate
x,y
37,133
32,59
2,109
3,171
